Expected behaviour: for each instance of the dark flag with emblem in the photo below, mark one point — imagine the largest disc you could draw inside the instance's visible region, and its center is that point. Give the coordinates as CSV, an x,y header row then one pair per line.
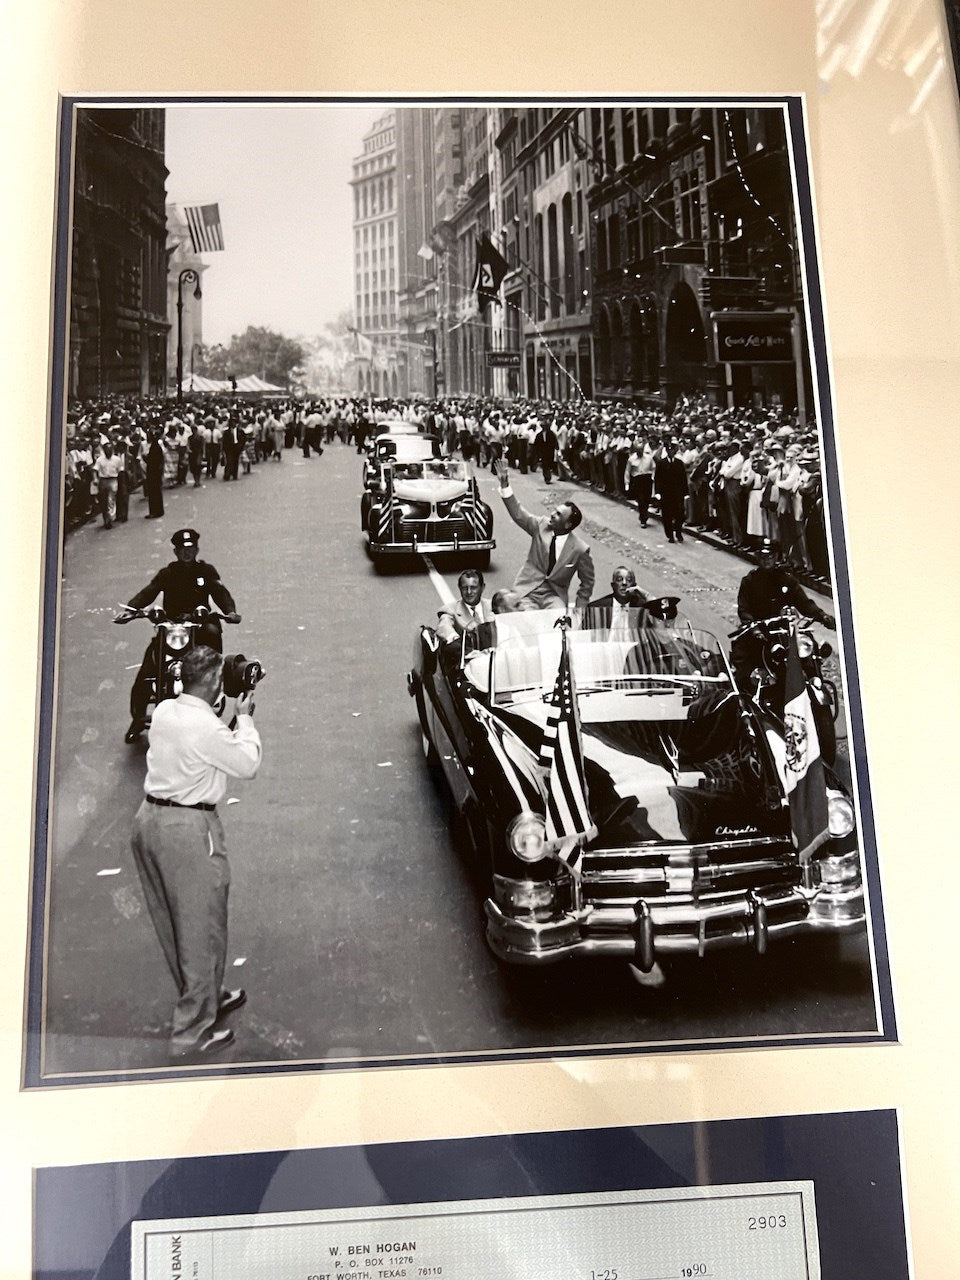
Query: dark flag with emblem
x,y
388,511
568,822
203,222
804,779
489,272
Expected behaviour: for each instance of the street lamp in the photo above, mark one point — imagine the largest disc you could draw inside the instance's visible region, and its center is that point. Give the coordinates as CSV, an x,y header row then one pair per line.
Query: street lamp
x,y
187,276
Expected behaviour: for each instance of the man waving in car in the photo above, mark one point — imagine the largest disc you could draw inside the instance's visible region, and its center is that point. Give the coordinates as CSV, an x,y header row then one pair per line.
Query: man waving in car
x,y
556,554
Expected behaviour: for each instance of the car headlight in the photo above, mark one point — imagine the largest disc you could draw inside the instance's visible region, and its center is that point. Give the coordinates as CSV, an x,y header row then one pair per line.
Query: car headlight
x,y
525,836
840,814
178,638
804,644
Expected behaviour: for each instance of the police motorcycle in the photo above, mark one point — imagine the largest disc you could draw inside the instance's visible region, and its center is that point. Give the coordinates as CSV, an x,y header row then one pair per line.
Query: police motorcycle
x,y
759,652
174,638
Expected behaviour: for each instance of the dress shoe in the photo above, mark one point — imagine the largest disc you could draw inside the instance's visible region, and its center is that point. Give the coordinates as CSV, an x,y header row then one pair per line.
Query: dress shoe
x,y
231,1000
133,733
669,539
211,1043
679,537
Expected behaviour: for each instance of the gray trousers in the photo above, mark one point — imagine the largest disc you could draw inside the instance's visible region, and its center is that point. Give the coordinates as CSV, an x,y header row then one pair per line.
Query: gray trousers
x,y
182,863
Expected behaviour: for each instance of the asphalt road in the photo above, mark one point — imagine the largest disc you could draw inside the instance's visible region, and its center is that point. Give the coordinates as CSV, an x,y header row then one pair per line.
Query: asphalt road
x,y
354,924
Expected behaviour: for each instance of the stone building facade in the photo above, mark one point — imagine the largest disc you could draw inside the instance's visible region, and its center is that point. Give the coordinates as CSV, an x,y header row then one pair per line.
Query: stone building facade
x,y
118,293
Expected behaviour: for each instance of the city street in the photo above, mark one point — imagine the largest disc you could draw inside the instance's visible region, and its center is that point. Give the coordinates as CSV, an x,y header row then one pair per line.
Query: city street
x,y
355,926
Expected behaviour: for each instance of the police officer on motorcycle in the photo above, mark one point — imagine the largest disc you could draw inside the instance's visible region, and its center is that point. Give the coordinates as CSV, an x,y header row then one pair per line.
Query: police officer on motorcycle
x,y
187,584
765,590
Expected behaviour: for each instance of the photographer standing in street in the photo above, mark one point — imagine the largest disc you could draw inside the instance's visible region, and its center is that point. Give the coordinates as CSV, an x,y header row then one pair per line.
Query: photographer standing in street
x,y
178,845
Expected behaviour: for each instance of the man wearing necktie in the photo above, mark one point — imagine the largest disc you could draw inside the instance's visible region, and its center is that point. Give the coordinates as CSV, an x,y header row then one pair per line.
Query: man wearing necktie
x,y
556,554
466,613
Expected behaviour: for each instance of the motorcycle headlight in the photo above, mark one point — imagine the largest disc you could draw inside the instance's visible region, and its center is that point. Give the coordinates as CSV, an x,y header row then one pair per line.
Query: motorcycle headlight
x,y
525,836
840,814
804,644
178,637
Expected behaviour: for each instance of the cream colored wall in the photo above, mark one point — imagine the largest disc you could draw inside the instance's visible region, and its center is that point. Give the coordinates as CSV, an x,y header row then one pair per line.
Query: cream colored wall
x,y
887,185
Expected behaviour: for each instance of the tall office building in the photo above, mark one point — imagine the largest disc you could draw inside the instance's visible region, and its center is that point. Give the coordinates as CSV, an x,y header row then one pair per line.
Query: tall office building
x,y
375,199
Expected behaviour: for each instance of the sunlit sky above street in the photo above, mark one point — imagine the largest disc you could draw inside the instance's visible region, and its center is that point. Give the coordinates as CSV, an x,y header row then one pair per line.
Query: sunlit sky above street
x,y
281,177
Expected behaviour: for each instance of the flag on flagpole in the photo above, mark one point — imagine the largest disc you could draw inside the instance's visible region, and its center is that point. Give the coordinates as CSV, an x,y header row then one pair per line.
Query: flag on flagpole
x,y
804,779
388,511
363,347
568,822
490,269
203,223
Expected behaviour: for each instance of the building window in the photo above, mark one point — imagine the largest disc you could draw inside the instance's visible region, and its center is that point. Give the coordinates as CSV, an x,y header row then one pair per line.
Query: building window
x,y
627,131
613,239
553,260
610,136
602,246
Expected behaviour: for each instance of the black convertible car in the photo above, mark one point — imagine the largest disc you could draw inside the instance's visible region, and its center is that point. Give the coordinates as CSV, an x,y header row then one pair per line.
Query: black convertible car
x,y
684,776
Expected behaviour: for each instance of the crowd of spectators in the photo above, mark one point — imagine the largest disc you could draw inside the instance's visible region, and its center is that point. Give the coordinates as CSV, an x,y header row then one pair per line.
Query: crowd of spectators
x,y
752,474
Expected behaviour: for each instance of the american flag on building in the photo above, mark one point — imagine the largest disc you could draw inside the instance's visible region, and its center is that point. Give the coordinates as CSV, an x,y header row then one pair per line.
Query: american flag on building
x,y
568,822
203,223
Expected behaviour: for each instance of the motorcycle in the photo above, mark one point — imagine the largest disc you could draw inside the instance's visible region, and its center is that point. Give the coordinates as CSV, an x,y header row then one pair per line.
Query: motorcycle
x,y
759,653
174,638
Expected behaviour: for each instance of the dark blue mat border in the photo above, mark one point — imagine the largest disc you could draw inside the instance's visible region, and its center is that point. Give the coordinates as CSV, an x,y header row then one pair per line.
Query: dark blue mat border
x,y
32,1060
853,1159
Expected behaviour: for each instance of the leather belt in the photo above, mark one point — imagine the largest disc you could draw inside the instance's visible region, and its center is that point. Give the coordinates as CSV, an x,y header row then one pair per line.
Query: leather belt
x,y
175,804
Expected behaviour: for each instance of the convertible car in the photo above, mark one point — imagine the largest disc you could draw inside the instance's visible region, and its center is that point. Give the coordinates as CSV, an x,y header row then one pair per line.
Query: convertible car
x,y
403,444
432,505
684,780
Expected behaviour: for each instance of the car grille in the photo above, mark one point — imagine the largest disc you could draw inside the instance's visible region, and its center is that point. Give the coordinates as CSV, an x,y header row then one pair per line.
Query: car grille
x,y
435,530
621,876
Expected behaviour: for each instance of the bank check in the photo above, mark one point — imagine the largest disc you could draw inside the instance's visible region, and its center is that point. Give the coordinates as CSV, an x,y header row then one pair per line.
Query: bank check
x,y
759,1231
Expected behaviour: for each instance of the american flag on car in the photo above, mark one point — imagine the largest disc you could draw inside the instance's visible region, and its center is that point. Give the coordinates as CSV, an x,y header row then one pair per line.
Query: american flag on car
x,y
568,822
390,509
474,512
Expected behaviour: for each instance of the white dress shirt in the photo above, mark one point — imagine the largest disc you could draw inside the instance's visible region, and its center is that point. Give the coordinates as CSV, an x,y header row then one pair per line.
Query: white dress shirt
x,y
192,752
622,626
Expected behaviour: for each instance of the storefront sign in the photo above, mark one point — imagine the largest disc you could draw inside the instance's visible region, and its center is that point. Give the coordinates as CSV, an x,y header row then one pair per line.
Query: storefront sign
x,y
762,339
503,359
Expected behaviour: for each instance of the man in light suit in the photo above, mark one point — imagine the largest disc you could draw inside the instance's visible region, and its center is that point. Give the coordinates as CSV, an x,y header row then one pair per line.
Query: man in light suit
x,y
556,553
466,613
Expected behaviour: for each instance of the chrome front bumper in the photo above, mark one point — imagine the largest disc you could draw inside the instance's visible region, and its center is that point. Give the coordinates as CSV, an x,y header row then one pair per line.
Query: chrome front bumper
x,y
655,927
413,546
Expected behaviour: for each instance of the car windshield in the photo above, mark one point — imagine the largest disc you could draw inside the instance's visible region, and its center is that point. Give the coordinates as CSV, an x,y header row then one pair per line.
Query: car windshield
x,y
633,669
408,448
431,469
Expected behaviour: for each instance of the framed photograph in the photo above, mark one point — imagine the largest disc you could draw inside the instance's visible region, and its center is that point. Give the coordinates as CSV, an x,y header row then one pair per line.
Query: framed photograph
x,y
388,1048
798,1197
579,323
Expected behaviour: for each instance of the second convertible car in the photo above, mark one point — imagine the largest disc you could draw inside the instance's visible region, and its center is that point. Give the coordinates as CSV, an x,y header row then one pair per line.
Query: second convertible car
x,y
432,505
685,782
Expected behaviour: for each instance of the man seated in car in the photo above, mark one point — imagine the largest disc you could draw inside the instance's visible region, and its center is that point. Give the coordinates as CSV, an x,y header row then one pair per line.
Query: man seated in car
x,y
466,613
626,607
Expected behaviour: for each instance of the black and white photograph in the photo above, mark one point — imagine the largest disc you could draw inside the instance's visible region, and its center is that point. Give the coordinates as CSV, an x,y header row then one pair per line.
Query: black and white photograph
x,y
448,647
